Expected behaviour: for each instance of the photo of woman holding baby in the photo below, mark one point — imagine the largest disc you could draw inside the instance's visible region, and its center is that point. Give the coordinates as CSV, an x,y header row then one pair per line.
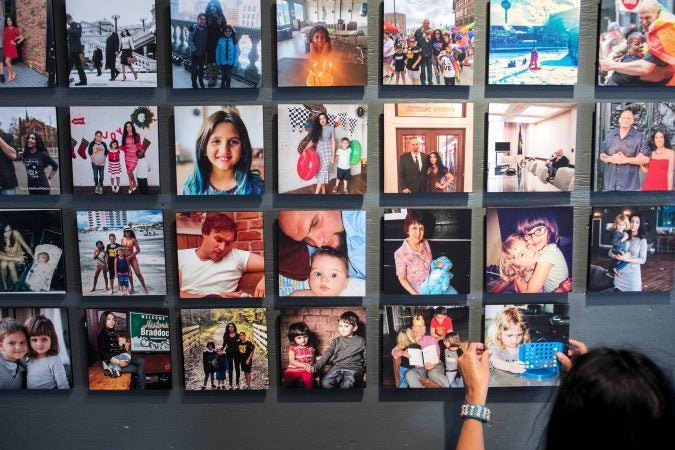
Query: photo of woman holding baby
x,y
426,252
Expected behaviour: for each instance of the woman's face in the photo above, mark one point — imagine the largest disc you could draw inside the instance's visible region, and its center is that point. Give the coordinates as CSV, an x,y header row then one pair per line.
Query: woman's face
x,y
323,120
110,321
224,148
432,159
230,328
8,22
634,223
537,237
659,140
7,231
416,233
31,141
319,39
128,127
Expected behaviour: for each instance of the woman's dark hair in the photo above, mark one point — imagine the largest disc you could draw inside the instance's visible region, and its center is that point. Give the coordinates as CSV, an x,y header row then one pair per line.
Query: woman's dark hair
x,y
13,19
198,182
442,170
39,143
12,239
616,399
641,232
127,33
131,232
317,129
102,320
137,137
666,138
227,328
412,217
297,329
219,8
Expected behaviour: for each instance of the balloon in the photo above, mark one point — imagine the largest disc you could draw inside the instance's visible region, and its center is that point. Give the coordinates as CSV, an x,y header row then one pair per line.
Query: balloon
x,y
308,164
355,156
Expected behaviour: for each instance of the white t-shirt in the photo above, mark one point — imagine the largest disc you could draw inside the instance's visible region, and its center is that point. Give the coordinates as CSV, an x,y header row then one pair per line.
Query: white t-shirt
x,y
343,155
143,168
448,68
209,277
559,272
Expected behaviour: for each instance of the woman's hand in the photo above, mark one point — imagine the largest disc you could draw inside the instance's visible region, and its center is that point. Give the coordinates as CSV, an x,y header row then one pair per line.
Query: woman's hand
x,y
474,365
577,348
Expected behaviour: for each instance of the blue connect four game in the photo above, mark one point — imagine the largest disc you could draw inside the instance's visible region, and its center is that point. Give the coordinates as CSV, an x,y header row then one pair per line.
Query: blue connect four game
x,y
539,358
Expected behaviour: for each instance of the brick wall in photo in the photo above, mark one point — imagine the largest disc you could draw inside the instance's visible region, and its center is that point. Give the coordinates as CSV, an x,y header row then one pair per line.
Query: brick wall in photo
x,y
249,232
31,16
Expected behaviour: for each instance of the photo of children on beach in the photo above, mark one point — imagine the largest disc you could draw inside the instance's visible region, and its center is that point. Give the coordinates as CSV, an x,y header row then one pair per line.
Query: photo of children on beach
x,y
533,42
115,150
35,349
523,341
428,43
220,254
322,43
31,252
631,249
634,146
528,250
128,349
426,251
111,44
29,151
530,147
428,148
27,55
636,46
421,345
321,253
121,252
219,150
323,347
225,349
216,44
322,149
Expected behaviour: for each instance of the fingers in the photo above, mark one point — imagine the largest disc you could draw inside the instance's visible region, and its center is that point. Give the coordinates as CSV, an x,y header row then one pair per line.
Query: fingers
x,y
564,361
578,346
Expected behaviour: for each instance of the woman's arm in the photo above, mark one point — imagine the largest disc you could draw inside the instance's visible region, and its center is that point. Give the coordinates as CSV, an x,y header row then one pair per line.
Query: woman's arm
x,y
536,281
22,242
671,162
475,369
19,39
406,285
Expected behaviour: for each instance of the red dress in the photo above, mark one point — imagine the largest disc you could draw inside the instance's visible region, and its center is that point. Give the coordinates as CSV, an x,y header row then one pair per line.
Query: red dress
x,y
657,175
10,50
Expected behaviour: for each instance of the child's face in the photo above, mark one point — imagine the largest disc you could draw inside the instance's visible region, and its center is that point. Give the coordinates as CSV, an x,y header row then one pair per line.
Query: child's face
x,y
42,258
439,317
635,47
512,337
327,277
523,255
113,145
112,239
14,346
40,344
242,337
621,225
219,351
301,340
122,341
345,144
399,50
537,237
346,329
319,39
223,148
99,246
98,137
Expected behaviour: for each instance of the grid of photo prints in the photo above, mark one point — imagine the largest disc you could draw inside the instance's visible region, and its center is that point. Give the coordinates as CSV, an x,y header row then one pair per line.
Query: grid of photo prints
x,y
225,349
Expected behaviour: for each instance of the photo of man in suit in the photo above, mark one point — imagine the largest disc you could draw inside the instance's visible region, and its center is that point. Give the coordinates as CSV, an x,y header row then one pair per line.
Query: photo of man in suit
x,y
412,169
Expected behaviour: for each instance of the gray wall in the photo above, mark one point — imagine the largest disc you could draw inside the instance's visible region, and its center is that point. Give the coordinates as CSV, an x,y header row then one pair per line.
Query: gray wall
x,y
369,419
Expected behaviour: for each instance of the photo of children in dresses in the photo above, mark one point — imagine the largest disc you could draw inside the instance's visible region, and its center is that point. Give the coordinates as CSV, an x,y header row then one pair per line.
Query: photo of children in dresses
x,y
128,349
35,349
214,45
523,340
29,151
121,252
219,150
427,43
322,149
323,348
426,251
631,249
420,345
225,349
31,252
528,250
114,150
634,146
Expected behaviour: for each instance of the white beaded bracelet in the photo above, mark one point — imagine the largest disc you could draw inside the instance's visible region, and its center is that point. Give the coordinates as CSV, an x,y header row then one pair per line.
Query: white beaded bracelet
x,y
475,411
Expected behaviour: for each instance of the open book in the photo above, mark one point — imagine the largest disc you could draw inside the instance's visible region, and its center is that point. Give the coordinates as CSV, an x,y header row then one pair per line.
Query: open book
x,y
419,357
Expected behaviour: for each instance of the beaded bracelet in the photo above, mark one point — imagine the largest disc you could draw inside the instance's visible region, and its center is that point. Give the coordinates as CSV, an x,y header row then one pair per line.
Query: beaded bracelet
x,y
475,411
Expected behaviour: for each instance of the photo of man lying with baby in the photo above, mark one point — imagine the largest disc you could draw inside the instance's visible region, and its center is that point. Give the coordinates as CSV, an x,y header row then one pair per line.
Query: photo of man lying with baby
x,y
34,349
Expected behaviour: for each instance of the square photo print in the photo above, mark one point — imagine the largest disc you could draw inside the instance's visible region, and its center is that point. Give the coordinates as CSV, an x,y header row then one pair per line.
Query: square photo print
x,y
322,43
631,249
111,44
426,251
220,254
41,360
114,150
121,252
216,44
31,252
421,345
428,43
29,156
219,150
225,349
128,349
636,45
323,347
321,253
322,149
428,147
523,341
528,250
533,42
530,147
634,146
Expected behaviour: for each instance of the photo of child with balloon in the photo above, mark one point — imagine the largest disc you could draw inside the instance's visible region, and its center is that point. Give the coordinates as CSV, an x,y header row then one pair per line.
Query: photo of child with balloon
x,y
322,149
